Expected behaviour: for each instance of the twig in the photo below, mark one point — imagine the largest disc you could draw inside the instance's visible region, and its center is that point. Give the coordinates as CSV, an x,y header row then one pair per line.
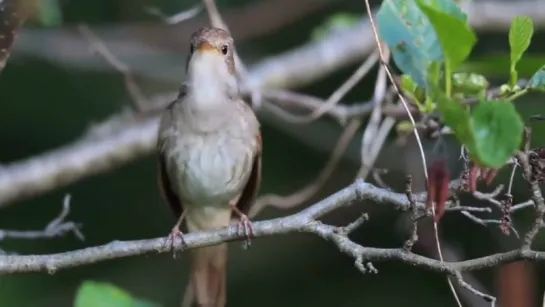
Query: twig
x,y
486,297
137,96
339,93
308,191
414,213
178,17
374,136
415,131
56,228
484,222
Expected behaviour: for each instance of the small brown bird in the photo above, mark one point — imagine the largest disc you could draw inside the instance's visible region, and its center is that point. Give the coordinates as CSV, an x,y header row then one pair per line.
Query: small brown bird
x,y
209,149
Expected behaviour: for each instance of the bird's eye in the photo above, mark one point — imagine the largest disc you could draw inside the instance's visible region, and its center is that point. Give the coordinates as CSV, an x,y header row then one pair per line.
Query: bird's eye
x,y
224,49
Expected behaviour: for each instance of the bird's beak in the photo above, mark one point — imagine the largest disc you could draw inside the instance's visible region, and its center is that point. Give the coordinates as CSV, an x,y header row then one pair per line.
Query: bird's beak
x,y
206,47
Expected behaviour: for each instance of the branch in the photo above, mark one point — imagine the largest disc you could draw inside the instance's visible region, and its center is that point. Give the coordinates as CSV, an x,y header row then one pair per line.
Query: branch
x,y
56,228
304,221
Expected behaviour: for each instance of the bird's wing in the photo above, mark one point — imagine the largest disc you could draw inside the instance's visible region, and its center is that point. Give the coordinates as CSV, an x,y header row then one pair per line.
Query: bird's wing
x,y
251,189
165,185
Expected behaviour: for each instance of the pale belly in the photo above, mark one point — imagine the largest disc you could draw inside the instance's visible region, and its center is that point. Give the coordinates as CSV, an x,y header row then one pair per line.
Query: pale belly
x,y
210,174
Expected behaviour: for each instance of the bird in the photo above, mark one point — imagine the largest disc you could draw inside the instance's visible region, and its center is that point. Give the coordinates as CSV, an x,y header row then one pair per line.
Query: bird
x,y
209,159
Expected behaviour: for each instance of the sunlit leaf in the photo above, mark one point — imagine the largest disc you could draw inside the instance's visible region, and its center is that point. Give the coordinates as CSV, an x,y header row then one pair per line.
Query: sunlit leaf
x,y
98,294
520,36
454,34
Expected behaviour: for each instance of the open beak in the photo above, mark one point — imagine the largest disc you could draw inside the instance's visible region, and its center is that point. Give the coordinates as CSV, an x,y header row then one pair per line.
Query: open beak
x,y
206,47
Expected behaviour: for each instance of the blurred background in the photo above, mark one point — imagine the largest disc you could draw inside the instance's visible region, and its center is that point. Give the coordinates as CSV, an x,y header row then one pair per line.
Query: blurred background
x,y
54,89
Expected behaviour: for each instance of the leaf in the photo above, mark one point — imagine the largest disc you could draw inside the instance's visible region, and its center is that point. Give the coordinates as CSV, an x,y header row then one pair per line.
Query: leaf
x,y
407,84
455,116
410,38
97,294
454,34
334,23
537,82
497,130
520,36
469,83
48,13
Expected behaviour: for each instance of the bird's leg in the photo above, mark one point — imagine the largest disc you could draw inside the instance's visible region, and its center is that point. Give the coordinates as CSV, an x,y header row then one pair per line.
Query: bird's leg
x,y
176,232
244,223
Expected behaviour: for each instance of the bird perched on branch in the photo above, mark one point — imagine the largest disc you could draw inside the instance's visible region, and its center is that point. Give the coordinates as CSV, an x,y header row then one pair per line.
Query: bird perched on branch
x,y
209,151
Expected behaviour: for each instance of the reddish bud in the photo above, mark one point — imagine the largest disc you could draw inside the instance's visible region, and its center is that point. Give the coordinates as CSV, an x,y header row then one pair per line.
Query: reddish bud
x,y
473,175
438,190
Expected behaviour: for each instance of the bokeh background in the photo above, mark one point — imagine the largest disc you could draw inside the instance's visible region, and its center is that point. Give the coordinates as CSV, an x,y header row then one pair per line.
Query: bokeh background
x,y
54,89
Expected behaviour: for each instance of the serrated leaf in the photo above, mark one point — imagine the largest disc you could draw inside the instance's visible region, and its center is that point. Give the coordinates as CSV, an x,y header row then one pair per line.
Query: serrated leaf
x,y
497,130
454,34
335,22
537,82
520,36
98,294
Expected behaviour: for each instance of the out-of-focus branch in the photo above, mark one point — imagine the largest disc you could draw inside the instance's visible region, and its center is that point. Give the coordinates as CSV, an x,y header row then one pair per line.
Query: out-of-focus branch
x,y
123,140
304,221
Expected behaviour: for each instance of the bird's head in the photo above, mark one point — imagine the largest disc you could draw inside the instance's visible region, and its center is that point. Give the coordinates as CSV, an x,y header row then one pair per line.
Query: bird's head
x,y
211,65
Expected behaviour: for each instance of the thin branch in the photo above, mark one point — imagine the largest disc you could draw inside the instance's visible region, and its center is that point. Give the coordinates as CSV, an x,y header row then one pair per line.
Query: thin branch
x,y
339,93
304,221
138,98
414,214
308,191
178,17
56,228
125,138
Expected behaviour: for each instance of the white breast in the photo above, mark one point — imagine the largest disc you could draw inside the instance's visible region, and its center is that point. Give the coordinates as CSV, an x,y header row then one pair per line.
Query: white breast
x,y
211,171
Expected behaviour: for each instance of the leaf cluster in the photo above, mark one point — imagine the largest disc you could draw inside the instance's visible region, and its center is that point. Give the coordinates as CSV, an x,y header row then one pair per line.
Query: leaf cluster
x,y
429,40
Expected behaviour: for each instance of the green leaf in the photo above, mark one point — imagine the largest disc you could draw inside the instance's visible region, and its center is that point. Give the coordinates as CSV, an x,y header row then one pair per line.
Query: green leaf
x,y
410,38
407,84
49,13
520,36
537,82
469,83
497,130
454,34
455,116
334,23
97,294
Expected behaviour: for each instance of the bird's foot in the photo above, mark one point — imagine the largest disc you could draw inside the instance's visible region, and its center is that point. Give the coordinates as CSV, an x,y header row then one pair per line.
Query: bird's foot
x,y
175,232
245,227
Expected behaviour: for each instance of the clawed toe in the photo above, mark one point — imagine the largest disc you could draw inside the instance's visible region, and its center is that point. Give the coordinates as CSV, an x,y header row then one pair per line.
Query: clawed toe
x,y
245,226
172,237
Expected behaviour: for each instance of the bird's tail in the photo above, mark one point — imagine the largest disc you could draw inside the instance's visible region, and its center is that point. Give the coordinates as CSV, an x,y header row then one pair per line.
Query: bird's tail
x,y
207,279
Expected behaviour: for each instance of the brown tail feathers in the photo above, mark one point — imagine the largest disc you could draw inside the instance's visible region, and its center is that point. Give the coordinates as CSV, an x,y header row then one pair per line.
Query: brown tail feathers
x,y
207,284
